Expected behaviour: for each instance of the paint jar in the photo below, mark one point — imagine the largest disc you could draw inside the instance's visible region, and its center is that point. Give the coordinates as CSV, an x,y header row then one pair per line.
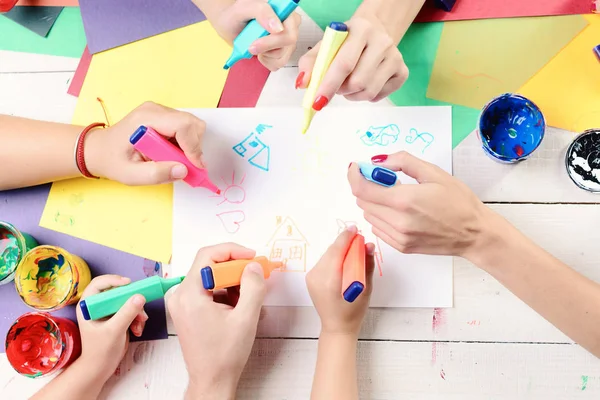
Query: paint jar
x,y
583,161
13,246
49,278
510,128
38,344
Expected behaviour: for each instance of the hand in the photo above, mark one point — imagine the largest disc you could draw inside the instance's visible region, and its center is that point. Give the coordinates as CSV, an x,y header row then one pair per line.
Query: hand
x,y
109,154
274,50
324,284
104,342
440,215
368,66
216,339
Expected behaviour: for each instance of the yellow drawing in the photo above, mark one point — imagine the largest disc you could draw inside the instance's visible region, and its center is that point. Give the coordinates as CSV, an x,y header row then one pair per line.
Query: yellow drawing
x,y
288,245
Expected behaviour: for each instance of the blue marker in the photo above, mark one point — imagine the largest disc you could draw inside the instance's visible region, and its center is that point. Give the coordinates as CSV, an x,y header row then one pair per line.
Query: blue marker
x,y
381,176
254,31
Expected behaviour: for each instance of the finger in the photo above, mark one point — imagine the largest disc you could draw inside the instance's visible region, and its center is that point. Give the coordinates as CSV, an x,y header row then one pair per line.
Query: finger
x,y
388,239
128,312
404,222
394,83
366,70
138,324
380,77
306,64
245,11
104,282
275,43
371,192
252,292
342,66
337,251
420,170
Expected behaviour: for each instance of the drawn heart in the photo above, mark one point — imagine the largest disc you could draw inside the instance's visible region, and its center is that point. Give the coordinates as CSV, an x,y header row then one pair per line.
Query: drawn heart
x,y
231,220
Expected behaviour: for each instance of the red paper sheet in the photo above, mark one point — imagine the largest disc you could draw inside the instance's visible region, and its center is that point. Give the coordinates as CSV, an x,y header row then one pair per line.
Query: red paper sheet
x,y
483,9
244,84
65,3
80,73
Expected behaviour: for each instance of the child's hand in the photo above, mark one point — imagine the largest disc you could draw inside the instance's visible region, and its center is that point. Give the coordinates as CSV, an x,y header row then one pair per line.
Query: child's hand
x,y
109,154
368,66
274,50
104,342
324,284
216,338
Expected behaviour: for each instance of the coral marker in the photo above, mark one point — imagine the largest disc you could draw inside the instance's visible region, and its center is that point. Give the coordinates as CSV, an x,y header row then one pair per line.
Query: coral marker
x,y
354,270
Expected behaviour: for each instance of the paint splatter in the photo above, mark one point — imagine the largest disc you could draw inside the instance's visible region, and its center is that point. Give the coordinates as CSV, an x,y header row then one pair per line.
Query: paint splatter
x,y
437,320
584,382
433,353
474,323
442,374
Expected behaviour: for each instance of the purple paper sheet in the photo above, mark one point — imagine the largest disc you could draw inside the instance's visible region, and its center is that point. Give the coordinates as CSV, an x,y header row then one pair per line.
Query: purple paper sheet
x,y
112,23
23,208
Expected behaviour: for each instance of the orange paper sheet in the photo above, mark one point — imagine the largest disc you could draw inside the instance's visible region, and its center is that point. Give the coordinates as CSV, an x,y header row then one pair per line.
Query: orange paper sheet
x,y
567,89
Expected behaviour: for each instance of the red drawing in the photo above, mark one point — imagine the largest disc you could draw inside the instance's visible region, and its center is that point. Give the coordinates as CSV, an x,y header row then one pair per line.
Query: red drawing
x,y
288,245
231,220
479,75
234,193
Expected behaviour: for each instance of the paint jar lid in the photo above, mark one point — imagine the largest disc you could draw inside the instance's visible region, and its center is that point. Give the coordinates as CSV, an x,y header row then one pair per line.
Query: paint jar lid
x,y
510,128
45,278
583,161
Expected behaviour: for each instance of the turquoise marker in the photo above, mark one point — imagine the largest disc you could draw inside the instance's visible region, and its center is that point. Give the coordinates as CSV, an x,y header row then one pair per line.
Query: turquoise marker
x,y
254,31
381,176
108,303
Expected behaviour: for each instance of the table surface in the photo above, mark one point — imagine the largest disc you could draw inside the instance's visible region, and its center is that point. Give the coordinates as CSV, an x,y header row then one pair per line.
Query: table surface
x,y
488,346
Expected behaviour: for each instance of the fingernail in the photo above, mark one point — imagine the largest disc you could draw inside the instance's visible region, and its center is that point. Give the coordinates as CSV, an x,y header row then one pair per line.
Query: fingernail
x,y
299,79
320,102
138,300
275,25
252,49
179,172
352,228
349,165
125,279
379,158
255,267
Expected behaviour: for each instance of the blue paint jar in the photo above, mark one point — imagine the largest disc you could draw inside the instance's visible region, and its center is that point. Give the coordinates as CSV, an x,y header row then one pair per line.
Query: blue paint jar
x,y
510,128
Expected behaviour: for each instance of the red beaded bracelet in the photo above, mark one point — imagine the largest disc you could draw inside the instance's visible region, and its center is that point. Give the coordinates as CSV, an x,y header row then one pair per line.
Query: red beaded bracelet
x,y
79,155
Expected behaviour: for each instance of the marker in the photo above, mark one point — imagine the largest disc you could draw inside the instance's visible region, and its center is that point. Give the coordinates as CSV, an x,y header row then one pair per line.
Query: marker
x,y
597,50
254,31
354,270
445,5
107,303
157,148
334,37
379,175
228,274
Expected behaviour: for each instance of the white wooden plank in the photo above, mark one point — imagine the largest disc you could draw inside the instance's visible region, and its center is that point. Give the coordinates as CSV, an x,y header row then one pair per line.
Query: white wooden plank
x,y
13,61
40,96
283,369
484,310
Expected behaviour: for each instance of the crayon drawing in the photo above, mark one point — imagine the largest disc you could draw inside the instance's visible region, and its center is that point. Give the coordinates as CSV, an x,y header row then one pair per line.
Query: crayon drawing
x,y
259,154
380,135
234,193
424,137
232,220
288,245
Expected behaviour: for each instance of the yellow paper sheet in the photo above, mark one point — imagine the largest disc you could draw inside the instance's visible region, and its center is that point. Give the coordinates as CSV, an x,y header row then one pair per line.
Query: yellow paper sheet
x,y
479,60
567,90
180,69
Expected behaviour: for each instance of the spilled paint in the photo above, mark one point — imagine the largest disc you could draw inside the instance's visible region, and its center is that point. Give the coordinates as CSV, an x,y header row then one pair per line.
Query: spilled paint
x,y
437,320
584,382
442,374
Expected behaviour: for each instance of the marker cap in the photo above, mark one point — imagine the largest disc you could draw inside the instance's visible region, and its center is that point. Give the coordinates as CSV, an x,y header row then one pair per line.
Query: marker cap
x,y
379,175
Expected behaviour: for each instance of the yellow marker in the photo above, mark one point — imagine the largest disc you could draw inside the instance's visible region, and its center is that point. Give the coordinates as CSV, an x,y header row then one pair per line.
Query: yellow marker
x,y
334,37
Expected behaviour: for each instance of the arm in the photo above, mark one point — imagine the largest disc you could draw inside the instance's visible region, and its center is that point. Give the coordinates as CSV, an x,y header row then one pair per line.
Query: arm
x,y
394,16
78,382
335,373
40,152
558,293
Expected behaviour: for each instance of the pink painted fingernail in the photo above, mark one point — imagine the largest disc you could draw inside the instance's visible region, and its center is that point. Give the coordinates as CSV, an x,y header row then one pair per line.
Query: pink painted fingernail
x,y
252,49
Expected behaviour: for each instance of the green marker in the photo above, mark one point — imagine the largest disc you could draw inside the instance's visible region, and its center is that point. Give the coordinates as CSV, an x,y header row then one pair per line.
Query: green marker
x,y
108,303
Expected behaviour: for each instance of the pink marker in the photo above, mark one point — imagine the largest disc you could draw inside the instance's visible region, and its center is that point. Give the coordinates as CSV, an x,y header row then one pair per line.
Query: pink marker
x,y
157,148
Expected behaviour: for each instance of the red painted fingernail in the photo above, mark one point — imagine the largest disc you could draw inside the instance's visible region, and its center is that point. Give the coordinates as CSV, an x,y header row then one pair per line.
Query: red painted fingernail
x,y
349,165
320,102
299,79
379,158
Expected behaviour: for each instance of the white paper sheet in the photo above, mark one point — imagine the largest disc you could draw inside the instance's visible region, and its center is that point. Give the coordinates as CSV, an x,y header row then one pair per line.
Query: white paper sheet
x,y
286,195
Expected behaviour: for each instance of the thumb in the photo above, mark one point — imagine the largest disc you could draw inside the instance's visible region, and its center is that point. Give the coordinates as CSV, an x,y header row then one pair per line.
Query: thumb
x,y
420,170
125,316
155,173
252,291
305,67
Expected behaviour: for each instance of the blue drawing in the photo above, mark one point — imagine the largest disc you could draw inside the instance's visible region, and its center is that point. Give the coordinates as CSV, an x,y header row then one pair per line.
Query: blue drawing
x,y
381,135
259,152
425,137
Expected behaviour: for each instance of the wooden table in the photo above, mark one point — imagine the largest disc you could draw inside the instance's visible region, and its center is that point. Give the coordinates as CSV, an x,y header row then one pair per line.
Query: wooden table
x,y
489,346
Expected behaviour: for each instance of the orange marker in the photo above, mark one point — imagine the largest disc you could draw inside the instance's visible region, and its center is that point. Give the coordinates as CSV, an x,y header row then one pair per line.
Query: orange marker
x,y
354,270
228,274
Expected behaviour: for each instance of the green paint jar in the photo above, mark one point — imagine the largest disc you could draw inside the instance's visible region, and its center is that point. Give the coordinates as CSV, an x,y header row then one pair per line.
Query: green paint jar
x,y
14,244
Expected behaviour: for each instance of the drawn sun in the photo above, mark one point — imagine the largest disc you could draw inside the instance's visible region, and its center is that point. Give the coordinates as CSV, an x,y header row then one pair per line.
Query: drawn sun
x,y
233,193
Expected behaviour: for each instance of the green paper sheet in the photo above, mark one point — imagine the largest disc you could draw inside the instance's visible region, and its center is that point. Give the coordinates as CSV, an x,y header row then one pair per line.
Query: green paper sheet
x,y
418,47
479,60
66,38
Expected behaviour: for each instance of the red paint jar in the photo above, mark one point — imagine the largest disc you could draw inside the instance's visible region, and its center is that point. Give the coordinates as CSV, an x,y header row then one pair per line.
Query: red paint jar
x,y
7,5
38,344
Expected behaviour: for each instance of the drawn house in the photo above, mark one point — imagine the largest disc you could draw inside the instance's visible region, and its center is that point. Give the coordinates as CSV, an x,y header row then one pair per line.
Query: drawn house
x,y
288,245
255,151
